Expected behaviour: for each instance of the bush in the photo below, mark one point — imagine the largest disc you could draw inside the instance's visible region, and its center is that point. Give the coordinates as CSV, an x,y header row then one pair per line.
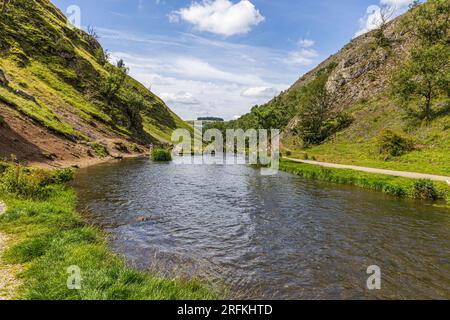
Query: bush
x,y
99,150
161,155
2,120
24,183
31,183
62,176
393,144
425,189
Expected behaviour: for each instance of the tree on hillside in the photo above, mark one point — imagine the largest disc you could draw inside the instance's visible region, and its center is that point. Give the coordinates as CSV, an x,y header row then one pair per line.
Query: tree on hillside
x,y
385,15
430,22
424,80
134,103
115,80
315,110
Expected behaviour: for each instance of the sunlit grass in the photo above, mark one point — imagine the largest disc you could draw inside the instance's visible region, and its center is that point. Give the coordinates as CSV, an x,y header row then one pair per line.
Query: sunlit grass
x,y
51,236
395,186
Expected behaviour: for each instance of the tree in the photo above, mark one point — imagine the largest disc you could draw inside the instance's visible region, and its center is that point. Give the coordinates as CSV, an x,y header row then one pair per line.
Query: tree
x,y
430,22
424,80
115,80
315,110
92,32
384,16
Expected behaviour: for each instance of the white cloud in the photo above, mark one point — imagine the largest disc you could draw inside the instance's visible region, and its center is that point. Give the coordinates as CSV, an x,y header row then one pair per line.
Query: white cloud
x,y
396,3
374,14
224,78
180,97
221,17
305,43
202,70
305,55
260,92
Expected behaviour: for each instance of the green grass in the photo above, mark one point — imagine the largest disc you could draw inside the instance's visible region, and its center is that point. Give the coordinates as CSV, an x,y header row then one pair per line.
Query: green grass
x,y
395,186
40,113
359,144
50,236
61,69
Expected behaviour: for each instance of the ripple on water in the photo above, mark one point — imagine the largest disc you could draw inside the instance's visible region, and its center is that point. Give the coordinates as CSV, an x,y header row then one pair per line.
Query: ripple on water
x,y
268,237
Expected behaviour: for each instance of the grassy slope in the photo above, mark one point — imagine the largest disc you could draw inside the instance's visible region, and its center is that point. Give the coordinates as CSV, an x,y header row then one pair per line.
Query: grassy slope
x,y
366,95
62,69
50,236
357,145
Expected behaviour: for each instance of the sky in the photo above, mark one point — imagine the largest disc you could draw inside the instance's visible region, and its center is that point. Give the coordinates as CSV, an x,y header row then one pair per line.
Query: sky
x,y
221,57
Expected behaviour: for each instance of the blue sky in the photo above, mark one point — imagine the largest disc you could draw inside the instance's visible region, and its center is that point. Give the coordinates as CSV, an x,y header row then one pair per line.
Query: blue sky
x,y
221,57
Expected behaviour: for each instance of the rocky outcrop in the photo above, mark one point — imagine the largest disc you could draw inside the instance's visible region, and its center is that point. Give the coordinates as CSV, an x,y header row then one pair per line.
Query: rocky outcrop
x,y
362,69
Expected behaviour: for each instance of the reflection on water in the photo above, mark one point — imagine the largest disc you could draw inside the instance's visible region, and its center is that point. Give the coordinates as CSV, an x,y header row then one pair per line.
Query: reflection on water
x,y
277,236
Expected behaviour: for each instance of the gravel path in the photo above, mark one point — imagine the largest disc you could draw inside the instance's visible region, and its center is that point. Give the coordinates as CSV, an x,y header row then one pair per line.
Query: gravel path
x,y
413,175
8,281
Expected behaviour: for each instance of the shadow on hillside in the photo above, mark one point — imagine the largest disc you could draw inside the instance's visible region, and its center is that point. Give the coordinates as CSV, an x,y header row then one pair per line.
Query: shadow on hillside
x,y
12,143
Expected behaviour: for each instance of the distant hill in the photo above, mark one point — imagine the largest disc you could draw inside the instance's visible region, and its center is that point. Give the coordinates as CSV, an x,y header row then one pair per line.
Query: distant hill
x,y
210,119
61,100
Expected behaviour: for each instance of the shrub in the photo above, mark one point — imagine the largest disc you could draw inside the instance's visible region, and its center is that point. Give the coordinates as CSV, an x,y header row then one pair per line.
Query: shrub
x,y
2,120
31,183
114,81
62,176
425,189
393,144
23,182
99,150
161,155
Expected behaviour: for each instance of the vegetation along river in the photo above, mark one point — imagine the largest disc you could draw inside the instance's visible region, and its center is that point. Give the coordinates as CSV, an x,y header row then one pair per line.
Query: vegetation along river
x,y
268,236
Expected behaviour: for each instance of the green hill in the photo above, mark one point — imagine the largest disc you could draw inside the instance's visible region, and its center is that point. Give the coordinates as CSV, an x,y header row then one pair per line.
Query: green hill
x,y
61,99
365,105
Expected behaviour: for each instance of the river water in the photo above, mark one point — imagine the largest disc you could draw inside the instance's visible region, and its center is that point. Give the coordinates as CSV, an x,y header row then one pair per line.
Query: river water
x,y
272,237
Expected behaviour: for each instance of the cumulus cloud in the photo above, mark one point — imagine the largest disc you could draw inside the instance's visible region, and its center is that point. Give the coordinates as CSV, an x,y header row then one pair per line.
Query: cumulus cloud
x,y
260,92
180,97
375,14
305,43
220,75
396,3
305,55
221,17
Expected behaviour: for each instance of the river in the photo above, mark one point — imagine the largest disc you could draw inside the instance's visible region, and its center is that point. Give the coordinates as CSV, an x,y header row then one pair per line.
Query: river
x,y
272,237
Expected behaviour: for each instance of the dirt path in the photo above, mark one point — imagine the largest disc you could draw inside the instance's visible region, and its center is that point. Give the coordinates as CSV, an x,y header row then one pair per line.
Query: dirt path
x,y
8,281
413,175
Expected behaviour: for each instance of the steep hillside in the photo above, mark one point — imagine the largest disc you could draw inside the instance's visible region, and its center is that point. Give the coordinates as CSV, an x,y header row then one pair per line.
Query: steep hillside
x,y
357,84
61,100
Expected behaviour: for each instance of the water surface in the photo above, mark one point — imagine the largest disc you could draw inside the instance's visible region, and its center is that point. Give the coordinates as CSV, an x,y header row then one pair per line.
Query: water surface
x,y
274,237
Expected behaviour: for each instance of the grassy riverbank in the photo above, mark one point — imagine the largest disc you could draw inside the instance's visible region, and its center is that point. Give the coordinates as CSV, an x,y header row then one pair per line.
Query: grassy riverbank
x,y
49,236
396,186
